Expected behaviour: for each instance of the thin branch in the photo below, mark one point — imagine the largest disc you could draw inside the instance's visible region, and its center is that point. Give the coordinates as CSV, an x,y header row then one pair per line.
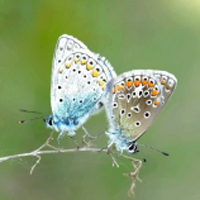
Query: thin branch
x,y
41,152
136,163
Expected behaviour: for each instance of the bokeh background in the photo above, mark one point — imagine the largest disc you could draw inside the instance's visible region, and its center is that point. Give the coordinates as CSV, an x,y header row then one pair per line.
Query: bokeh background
x,y
132,34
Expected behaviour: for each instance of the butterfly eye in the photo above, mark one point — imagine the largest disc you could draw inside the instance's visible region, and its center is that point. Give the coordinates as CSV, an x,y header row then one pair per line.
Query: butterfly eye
x,y
132,148
50,122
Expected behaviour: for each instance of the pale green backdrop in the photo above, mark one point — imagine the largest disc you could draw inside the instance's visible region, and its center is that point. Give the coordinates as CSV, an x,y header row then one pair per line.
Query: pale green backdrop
x,y
132,34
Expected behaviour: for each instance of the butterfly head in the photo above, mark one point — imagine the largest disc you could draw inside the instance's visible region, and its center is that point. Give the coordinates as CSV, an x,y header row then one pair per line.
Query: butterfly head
x,y
132,147
61,125
49,122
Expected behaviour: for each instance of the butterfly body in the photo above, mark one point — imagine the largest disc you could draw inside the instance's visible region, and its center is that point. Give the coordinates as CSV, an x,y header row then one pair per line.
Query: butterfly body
x,y
78,85
134,101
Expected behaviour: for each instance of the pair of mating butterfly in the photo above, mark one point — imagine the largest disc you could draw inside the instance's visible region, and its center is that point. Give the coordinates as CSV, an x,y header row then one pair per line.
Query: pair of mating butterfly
x,y
82,82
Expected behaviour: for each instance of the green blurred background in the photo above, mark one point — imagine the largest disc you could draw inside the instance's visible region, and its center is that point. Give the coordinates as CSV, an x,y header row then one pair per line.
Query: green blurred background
x,y
132,34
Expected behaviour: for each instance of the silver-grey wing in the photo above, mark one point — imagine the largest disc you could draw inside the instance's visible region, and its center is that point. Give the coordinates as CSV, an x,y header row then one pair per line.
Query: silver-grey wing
x,y
66,45
74,67
137,98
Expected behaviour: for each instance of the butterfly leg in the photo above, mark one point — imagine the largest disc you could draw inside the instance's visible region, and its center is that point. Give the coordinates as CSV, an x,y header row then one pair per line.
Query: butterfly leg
x,y
108,148
60,136
86,133
84,142
109,152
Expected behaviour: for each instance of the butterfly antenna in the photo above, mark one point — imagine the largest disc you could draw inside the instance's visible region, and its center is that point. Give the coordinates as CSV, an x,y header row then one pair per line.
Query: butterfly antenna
x,y
155,149
29,111
29,120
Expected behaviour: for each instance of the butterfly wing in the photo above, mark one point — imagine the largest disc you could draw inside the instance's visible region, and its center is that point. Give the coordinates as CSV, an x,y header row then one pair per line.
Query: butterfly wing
x,y
137,98
78,80
66,45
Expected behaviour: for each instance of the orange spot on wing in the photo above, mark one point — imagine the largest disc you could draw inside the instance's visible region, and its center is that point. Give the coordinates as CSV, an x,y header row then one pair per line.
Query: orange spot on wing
x,y
163,82
68,65
150,84
154,93
168,87
156,102
60,70
101,83
95,73
83,62
137,83
119,87
113,90
89,67
76,60
129,83
144,82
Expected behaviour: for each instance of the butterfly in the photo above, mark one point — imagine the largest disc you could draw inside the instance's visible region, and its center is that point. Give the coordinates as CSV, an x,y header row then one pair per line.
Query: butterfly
x,y
134,100
78,82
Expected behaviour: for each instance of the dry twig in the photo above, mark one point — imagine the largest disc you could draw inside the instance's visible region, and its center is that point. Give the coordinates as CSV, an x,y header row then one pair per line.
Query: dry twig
x,y
53,150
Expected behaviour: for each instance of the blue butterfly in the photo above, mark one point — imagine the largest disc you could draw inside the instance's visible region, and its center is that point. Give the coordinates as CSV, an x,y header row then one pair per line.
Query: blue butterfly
x,y
79,77
134,100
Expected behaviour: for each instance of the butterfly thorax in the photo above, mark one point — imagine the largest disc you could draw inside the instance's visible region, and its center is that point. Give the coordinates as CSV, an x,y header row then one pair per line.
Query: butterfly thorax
x,y
122,142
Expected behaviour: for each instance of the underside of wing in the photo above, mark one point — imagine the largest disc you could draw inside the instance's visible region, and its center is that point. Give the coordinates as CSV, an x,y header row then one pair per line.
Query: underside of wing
x,y
79,85
66,45
70,56
137,98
